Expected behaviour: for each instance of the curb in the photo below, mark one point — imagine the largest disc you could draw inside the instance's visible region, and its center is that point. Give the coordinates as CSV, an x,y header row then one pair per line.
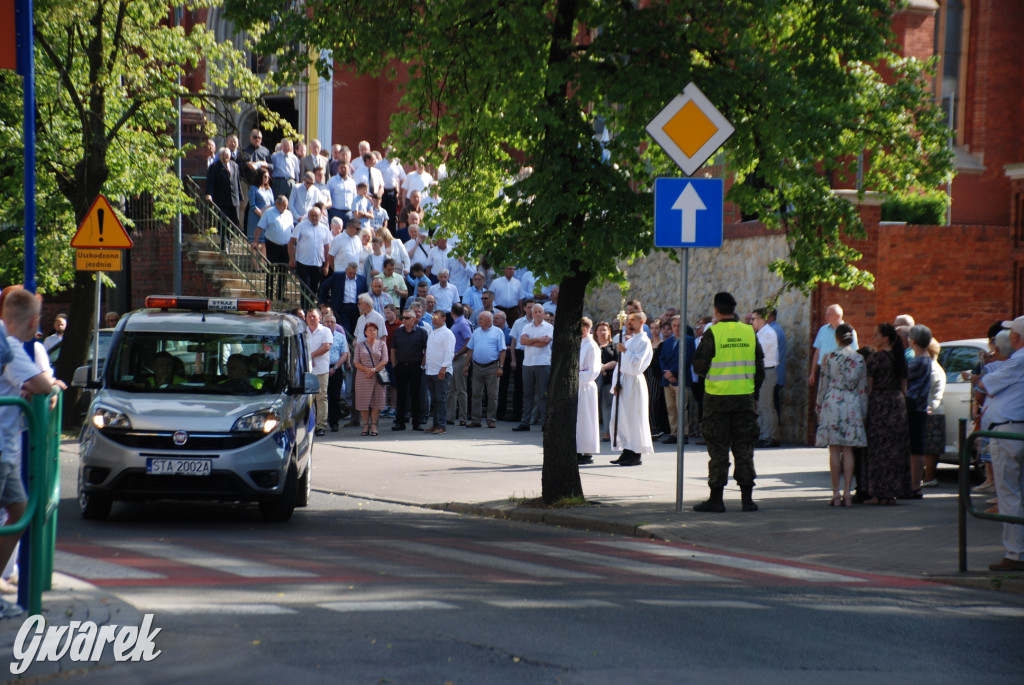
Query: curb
x,y
975,580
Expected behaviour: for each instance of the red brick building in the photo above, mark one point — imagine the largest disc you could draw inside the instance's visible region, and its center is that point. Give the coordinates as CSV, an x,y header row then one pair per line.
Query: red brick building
x,y
957,279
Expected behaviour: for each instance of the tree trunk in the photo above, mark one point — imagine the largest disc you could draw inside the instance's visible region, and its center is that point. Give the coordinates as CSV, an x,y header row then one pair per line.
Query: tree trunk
x,y
561,474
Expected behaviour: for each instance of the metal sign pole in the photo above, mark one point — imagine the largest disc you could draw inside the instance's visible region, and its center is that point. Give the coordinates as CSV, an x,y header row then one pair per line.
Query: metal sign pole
x,y
27,69
681,388
96,329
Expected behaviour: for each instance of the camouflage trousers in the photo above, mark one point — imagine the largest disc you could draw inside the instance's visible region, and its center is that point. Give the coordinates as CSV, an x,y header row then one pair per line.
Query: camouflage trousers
x,y
725,430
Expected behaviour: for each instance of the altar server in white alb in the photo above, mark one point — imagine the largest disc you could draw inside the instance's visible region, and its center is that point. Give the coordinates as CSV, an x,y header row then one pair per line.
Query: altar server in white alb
x,y
588,431
630,406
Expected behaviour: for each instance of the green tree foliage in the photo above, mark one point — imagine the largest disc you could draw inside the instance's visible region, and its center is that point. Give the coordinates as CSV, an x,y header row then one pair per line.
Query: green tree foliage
x,y
106,77
514,91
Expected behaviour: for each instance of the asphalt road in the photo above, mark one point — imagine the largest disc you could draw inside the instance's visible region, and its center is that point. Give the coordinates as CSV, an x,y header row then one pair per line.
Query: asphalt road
x,y
357,591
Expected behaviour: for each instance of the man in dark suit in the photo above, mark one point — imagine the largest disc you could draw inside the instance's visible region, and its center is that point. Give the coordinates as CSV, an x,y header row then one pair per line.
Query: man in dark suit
x,y
223,185
341,291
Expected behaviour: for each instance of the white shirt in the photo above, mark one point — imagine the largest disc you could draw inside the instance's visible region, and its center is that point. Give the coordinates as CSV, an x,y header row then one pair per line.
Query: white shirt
x,y
507,293
15,373
310,241
525,277
322,334
382,331
769,340
397,252
517,330
459,275
347,248
438,258
373,179
419,252
277,226
343,192
537,356
440,350
445,297
303,198
392,173
417,181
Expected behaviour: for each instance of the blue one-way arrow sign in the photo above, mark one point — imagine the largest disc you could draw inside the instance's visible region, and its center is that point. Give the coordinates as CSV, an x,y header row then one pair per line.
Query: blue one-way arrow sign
x,y
688,212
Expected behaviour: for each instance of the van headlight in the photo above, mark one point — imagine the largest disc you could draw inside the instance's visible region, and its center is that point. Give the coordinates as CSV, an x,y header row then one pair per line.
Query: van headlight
x,y
263,421
103,417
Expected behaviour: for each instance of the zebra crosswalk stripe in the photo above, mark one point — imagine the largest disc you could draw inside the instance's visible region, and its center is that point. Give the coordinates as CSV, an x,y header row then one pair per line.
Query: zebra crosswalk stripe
x,y
630,565
488,560
781,570
88,568
222,563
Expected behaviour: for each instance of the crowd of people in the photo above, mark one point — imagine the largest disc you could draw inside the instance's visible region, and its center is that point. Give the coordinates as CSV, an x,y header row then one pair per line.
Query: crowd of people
x,y
433,340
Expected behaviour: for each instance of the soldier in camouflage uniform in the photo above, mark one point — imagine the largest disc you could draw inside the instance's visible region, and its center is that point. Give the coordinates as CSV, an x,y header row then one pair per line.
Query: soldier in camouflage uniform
x,y
732,365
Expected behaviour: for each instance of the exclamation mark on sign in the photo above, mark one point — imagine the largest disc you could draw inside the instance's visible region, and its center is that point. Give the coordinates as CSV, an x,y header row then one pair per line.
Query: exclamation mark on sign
x,y
99,218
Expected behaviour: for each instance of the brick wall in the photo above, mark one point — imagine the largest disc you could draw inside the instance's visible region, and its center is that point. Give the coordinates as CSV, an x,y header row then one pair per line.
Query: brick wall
x,y
151,270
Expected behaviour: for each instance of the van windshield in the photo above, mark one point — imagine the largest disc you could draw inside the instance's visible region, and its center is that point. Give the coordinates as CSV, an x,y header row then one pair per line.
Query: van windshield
x,y
206,363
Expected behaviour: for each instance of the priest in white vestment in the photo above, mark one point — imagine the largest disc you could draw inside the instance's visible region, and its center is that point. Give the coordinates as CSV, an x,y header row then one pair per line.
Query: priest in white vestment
x,y
588,431
630,413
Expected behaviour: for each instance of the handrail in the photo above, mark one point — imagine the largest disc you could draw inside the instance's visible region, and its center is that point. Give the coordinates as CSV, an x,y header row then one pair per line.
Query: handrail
x,y
40,516
965,504
275,282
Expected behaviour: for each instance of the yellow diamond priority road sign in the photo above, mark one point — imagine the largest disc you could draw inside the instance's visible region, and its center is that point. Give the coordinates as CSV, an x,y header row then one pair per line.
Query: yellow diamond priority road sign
x,y
690,129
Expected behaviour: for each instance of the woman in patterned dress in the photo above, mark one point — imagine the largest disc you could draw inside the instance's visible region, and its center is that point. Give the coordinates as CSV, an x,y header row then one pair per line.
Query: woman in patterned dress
x,y
369,357
888,454
841,405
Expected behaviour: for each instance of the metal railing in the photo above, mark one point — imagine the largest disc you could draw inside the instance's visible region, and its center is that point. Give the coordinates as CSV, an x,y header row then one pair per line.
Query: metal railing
x,y
965,505
275,282
43,471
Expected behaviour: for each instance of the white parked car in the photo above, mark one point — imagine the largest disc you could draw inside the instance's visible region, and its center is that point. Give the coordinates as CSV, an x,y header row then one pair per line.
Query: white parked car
x,y
959,359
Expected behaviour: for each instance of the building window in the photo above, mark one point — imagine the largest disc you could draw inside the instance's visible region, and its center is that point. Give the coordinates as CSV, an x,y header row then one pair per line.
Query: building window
x,y
950,41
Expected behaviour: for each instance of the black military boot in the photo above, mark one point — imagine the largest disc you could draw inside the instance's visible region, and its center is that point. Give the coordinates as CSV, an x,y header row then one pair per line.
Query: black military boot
x,y
747,497
714,503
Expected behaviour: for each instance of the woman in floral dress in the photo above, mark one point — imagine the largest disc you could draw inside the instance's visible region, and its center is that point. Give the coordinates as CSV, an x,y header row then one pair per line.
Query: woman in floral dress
x,y
842,406
888,454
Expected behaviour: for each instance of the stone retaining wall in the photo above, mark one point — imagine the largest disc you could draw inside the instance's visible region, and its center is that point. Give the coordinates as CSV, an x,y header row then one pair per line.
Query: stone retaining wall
x,y
740,266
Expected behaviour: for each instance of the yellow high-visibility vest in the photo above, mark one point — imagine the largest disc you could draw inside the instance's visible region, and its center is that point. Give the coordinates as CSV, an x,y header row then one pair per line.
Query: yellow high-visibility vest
x,y
732,369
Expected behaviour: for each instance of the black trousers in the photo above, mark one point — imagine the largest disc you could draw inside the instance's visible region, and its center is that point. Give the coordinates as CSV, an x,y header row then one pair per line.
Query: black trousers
x,y
389,202
408,381
310,275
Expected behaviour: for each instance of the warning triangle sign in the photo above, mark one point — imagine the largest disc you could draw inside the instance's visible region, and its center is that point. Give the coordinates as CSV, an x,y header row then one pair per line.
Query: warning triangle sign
x,y
101,229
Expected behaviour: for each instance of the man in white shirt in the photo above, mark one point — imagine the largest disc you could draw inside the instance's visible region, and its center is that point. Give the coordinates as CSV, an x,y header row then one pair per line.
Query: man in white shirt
x,y
416,247
363,149
319,340
438,372
342,188
551,306
508,291
769,340
392,174
536,338
369,174
438,258
445,294
346,246
307,249
418,180
305,195
366,314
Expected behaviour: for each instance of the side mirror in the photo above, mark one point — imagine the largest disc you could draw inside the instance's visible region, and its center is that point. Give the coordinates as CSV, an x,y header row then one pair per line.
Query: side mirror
x,y
312,384
83,378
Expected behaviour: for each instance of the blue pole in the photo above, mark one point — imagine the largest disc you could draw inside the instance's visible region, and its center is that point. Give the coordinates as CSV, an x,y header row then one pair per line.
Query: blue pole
x,y
26,67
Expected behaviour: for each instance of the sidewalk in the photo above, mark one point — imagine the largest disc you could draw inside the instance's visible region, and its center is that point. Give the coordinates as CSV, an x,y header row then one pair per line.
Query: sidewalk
x,y
488,472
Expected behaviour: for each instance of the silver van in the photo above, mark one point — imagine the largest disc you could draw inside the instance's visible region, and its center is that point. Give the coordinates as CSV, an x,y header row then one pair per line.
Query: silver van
x,y
200,398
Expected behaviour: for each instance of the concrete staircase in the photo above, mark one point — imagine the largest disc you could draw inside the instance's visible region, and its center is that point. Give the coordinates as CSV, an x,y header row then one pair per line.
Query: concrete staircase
x,y
217,268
